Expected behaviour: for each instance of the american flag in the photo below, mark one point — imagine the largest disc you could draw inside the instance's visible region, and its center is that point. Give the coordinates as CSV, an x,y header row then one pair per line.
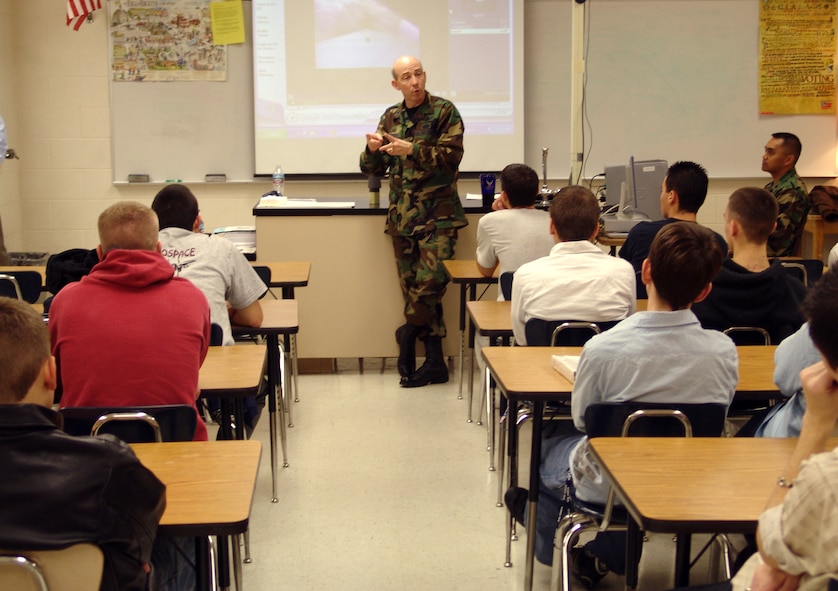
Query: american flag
x,y
77,11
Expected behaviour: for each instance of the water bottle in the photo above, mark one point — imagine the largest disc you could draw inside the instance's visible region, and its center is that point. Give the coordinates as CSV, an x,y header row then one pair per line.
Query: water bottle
x,y
279,180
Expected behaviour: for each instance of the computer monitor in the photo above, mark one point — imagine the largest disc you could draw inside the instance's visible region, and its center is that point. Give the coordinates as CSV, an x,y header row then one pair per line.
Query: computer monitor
x,y
635,191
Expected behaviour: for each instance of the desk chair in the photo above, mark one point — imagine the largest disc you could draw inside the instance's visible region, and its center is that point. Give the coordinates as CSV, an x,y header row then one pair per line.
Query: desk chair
x,y
133,424
264,274
807,270
625,419
76,568
23,285
748,335
505,281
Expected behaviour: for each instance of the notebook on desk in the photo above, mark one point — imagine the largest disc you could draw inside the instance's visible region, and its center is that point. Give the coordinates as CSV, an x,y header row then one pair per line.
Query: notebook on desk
x,y
566,365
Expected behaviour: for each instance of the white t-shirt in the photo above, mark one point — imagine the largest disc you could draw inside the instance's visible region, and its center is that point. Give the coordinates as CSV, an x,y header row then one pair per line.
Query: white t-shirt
x,y
217,268
512,237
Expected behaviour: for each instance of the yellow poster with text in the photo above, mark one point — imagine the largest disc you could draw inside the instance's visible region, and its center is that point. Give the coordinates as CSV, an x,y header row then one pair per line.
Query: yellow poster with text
x,y
227,22
797,57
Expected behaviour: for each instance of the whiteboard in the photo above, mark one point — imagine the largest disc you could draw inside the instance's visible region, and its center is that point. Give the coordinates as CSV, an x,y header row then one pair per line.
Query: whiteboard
x,y
186,130
668,79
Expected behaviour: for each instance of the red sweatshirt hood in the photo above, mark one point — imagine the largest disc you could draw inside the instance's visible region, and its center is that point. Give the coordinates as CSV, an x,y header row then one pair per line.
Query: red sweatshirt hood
x,y
132,268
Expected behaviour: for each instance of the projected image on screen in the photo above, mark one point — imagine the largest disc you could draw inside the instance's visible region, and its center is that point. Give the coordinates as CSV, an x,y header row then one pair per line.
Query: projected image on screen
x,y
361,34
322,72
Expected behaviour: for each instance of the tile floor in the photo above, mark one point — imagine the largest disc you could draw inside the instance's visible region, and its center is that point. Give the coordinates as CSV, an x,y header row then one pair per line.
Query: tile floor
x,y
389,488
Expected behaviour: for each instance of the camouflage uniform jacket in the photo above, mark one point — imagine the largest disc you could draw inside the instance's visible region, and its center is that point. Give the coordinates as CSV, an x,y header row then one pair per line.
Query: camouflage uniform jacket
x,y
423,185
793,201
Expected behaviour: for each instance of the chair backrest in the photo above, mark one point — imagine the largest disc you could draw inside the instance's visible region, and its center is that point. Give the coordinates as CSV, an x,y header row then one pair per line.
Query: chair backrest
x,y
23,285
216,335
76,568
264,274
748,335
565,333
609,419
505,281
175,422
808,271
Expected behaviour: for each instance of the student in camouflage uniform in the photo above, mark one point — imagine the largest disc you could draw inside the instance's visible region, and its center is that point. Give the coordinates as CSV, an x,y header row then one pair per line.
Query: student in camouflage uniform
x,y
778,160
420,141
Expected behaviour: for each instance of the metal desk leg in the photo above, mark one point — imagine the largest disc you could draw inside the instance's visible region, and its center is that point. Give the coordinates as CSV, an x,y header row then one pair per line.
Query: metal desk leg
x,y
512,456
682,561
490,424
237,561
274,356
463,288
282,402
295,370
535,463
287,351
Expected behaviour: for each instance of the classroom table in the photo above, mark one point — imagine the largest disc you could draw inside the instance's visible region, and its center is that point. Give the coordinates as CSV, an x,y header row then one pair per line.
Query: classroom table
x,y
232,374
288,275
612,240
526,374
197,506
465,274
665,487
280,317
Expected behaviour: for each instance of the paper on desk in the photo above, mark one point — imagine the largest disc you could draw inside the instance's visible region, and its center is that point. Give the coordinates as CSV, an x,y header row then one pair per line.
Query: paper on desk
x,y
286,203
566,365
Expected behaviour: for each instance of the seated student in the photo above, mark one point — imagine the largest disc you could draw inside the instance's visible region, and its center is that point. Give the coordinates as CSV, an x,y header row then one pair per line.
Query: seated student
x,y
61,490
130,333
683,191
797,531
518,233
212,263
577,280
750,289
660,355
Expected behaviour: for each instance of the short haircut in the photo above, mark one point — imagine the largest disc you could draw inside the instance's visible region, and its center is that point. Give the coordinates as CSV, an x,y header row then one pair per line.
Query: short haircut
x,y
684,257
575,213
791,143
689,180
756,212
24,347
176,207
822,314
520,183
128,225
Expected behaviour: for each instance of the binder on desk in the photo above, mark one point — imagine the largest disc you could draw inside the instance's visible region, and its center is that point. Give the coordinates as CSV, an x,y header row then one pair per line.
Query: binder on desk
x,y
566,365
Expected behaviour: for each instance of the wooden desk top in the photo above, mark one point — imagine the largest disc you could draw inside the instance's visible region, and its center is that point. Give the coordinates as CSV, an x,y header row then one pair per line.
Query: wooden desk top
x,y
701,484
209,484
232,371
278,317
465,271
287,273
611,239
525,372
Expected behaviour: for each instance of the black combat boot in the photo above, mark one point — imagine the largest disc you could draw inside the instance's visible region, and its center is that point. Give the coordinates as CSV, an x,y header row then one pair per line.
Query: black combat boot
x,y
406,338
434,370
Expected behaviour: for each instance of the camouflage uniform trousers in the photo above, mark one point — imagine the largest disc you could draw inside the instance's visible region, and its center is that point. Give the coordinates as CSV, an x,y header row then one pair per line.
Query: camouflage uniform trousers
x,y
422,277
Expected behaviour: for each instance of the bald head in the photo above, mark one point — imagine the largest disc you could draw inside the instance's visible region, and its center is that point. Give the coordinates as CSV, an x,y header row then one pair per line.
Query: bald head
x,y
409,78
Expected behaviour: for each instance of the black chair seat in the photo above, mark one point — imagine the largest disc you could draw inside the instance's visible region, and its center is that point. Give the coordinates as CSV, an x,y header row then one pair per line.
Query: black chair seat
x,y
177,422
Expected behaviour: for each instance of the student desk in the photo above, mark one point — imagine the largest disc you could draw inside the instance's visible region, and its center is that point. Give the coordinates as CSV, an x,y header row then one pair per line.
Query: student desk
x,y
693,485
279,318
197,506
231,373
465,274
525,374
288,275
817,227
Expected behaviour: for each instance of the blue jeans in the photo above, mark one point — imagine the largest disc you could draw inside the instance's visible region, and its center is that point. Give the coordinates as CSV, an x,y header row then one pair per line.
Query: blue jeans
x,y
173,563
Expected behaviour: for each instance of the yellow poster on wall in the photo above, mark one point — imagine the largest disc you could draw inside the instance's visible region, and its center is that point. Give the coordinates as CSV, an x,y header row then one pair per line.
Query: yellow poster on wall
x,y
797,57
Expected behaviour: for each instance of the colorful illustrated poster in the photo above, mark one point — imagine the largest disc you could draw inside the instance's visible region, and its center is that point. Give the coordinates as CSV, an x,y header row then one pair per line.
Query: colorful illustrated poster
x,y
797,57
164,40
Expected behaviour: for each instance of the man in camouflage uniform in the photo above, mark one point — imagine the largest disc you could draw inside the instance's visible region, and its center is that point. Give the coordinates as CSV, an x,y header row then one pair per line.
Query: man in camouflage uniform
x,y
778,160
420,141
